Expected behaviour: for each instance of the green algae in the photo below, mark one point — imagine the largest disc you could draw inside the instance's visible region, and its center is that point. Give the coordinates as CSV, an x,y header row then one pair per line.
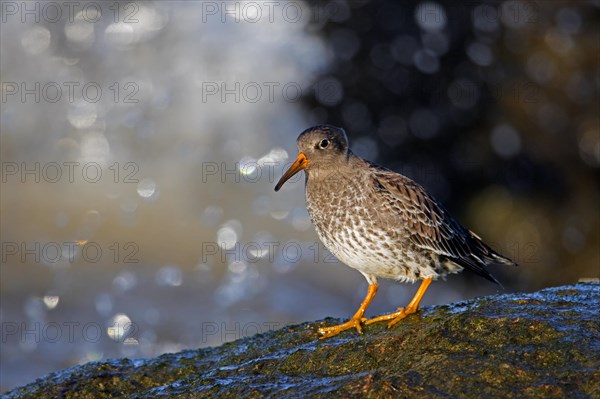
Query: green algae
x,y
540,345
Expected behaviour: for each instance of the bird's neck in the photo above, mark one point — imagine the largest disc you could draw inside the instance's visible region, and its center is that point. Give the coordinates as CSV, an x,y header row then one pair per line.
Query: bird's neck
x,y
334,173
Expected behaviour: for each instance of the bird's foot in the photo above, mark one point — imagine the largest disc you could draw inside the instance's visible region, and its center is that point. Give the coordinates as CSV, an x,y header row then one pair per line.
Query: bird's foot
x,y
327,332
394,317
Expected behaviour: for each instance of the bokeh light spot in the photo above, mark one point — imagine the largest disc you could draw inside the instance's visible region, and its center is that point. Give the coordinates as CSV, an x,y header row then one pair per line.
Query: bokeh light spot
x,y
505,141
36,40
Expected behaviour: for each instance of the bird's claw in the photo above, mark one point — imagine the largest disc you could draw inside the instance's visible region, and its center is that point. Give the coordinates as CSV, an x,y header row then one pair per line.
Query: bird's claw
x,y
328,332
395,317
402,313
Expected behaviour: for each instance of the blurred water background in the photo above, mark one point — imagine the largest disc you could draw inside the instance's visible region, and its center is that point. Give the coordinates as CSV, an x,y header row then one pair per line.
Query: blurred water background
x,y
140,143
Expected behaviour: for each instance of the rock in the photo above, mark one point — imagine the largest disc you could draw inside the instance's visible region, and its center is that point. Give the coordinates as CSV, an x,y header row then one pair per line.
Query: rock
x,y
540,345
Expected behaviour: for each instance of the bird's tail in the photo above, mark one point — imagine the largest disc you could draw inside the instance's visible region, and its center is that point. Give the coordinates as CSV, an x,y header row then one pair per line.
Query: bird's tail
x,y
490,256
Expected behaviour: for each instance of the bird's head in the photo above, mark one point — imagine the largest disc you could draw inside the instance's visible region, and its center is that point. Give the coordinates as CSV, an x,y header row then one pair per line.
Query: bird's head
x,y
320,146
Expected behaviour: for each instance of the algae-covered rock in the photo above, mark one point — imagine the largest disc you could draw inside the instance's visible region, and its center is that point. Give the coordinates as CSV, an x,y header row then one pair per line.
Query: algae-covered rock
x,y
545,344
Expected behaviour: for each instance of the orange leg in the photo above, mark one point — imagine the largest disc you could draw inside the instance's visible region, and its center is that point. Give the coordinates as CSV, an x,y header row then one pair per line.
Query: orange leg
x,y
412,307
356,320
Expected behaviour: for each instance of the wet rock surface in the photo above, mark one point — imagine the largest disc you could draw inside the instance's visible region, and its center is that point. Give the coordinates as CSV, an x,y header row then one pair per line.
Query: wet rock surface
x,y
542,344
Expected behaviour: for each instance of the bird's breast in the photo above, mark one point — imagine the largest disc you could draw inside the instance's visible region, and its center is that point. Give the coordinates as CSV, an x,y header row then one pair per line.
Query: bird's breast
x,y
357,227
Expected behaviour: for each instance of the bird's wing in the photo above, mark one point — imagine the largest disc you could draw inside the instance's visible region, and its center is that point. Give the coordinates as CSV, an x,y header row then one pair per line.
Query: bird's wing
x,y
430,225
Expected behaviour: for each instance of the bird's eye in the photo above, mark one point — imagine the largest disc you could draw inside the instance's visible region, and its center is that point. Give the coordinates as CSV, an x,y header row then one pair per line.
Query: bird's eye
x,y
324,143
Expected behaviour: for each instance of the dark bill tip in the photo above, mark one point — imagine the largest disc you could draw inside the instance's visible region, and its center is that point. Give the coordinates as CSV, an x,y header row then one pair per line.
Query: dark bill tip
x,y
300,164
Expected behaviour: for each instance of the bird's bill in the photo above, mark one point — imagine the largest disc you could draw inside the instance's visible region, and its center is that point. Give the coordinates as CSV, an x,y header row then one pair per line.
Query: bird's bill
x,y
300,164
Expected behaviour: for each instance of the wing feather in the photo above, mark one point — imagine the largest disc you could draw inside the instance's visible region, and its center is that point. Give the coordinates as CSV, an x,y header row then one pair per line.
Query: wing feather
x,y
432,228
